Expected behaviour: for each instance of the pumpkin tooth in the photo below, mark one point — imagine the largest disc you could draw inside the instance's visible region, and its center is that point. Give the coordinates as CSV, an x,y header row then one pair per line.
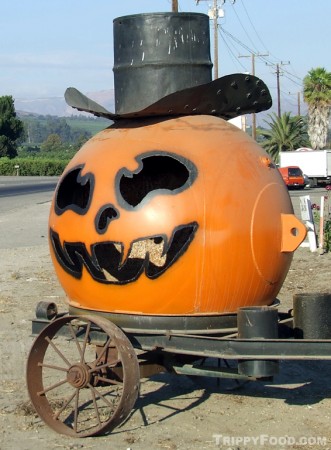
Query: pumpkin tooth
x,y
118,246
154,247
108,276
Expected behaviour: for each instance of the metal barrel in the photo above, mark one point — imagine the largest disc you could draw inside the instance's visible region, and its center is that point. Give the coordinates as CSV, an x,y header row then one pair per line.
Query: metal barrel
x,y
312,315
259,322
157,54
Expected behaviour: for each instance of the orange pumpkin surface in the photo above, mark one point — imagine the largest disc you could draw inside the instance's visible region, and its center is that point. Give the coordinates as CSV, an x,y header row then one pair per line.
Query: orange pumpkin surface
x,y
182,216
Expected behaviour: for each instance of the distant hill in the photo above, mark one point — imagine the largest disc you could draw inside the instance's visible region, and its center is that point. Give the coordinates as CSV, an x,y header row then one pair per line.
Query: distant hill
x,y
56,106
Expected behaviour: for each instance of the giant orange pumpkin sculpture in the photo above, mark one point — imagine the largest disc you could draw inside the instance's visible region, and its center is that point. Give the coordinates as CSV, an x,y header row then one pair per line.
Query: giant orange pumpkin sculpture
x,y
182,214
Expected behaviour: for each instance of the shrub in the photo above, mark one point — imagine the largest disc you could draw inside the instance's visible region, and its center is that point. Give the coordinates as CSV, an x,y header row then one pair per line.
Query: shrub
x,y
32,166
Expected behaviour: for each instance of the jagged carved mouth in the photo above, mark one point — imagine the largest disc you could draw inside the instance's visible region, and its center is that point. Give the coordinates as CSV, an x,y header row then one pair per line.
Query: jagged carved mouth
x,y
152,255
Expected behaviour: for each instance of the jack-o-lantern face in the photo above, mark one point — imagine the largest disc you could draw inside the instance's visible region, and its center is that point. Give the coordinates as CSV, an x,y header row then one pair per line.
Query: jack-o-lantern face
x,y
158,173
184,216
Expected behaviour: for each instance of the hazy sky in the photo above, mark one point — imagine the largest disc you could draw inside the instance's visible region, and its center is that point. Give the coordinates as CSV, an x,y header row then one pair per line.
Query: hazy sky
x,y
48,45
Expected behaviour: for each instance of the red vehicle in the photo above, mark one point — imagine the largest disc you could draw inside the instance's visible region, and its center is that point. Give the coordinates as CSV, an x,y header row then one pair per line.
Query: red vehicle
x,y
293,177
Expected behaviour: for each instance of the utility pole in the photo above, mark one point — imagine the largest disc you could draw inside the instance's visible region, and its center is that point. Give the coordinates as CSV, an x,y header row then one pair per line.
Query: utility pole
x,y
282,63
252,56
278,90
215,17
298,94
174,5
214,13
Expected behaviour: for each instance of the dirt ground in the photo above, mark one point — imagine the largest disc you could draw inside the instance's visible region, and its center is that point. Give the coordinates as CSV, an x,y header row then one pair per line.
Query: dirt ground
x,y
173,412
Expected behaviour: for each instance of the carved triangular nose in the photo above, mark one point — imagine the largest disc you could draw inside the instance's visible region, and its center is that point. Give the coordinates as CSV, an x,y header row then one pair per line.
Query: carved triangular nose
x,y
105,215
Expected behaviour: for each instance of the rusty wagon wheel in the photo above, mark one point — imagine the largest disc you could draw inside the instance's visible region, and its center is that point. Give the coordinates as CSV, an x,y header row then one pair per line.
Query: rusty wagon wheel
x,y
82,375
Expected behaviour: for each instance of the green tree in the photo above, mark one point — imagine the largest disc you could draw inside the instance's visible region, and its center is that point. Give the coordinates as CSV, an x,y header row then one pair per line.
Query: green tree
x,y
52,144
283,133
58,125
35,131
317,95
11,128
81,138
39,128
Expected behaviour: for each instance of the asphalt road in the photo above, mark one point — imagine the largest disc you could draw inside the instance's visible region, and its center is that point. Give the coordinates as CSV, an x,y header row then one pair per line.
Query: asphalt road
x,y
25,188
21,186
315,195
24,209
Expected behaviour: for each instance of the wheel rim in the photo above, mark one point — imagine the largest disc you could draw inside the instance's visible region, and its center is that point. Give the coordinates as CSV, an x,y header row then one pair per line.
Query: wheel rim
x,y
82,375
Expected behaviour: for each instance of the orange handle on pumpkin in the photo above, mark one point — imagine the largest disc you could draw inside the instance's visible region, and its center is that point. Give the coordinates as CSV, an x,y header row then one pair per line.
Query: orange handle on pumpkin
x,y
293,232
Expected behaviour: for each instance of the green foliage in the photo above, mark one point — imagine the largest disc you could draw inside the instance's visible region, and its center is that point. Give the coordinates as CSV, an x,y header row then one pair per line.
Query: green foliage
x,y
90,124
38,129
28,151
79,143
52,144
11,128
327,219
70,130
327,236
32,167
57,138
7,147
317,94
317,87
284,133
66,152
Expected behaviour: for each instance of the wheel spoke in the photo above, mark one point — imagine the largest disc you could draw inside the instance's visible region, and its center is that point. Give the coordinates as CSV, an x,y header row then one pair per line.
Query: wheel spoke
x,y
110,381
103,351
87,333
51,366
61,355
95,407
64,406
82,389
76,411
76,341
96,391
104,366
53,386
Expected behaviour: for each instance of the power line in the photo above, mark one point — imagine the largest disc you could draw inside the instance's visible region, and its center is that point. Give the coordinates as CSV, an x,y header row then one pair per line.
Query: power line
x,y
282,63
231,53
214,13
292,77
237,40
252,56
286,75
230,41
250,21
242,26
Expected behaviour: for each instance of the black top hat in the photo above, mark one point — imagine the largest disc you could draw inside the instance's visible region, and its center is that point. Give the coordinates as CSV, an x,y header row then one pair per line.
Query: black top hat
x,y
162,67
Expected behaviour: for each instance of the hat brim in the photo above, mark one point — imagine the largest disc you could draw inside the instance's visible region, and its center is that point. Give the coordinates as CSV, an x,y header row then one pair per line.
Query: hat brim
x,y
226,97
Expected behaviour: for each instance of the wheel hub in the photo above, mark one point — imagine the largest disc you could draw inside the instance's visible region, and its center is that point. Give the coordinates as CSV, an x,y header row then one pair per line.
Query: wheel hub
x,y
79,376
49,382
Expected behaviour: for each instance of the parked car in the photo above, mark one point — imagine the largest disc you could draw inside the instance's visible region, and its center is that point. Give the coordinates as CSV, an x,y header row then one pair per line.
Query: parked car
x,y
293,177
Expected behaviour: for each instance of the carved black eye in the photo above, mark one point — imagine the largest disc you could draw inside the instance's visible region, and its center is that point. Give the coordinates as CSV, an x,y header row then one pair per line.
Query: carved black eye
x,y
158,173
74,192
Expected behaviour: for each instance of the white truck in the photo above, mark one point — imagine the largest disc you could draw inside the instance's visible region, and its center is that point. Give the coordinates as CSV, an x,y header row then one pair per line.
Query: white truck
x,y
316,164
